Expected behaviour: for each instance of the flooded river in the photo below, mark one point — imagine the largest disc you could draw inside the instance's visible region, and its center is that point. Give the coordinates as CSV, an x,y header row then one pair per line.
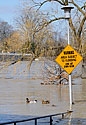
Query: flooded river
x,y
17,83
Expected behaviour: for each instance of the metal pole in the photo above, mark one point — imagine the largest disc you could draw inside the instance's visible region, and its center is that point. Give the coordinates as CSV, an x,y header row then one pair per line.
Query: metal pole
x,y
62,116
70,84
35,121
70,91
68,33
50,120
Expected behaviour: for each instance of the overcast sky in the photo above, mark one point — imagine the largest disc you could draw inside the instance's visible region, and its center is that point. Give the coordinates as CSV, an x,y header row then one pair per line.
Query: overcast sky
x,y
8,10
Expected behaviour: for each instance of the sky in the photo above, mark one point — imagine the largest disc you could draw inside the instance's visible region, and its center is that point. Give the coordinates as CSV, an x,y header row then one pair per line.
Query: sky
x,y
8,10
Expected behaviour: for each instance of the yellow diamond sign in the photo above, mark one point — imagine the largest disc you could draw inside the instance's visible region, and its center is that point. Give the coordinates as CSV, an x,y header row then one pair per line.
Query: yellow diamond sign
x,y
68,59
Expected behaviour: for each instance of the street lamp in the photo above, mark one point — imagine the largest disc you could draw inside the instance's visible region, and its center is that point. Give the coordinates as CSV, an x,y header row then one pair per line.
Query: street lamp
x,y
67,14
67,11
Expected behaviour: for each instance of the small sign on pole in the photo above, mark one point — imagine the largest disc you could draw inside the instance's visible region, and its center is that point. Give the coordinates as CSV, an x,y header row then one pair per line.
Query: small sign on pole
x,y
68,59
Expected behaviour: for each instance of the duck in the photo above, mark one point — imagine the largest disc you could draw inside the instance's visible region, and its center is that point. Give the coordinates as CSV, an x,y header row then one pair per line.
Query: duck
x,y
30,101
45,102
42,83
54,105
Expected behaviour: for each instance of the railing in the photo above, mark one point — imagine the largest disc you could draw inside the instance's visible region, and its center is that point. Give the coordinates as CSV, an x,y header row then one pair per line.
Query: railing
x,y
14,56
36,118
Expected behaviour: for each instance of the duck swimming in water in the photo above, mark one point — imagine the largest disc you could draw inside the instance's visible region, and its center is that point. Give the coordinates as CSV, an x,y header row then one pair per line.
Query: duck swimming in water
x,y
30,101
45,102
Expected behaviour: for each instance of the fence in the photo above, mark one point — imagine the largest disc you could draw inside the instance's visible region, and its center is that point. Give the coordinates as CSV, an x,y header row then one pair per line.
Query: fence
x,y
36,118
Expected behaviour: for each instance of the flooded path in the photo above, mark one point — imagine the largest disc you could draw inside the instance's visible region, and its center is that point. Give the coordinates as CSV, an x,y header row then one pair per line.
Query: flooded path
x,y
17,83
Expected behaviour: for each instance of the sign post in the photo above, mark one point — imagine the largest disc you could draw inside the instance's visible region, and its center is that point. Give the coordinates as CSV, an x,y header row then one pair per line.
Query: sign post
x,y
70,81
67,12
68,60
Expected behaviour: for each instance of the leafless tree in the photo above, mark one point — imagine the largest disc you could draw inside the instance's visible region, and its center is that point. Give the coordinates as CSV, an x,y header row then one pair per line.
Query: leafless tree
x,y
5,31
79,11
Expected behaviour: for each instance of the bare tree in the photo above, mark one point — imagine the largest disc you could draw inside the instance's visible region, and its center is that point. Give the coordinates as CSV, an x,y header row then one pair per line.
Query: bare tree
x,y
32,33
79,7
34,36
5,31
14,42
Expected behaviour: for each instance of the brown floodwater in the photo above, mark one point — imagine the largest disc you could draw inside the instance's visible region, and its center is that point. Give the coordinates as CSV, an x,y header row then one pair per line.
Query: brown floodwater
x,y
17,83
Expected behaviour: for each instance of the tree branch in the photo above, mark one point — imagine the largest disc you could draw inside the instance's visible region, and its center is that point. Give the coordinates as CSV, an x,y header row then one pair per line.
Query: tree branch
x,y
41,4
47,23
76,5
83,7
62,3
81,26
66,2
72,27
